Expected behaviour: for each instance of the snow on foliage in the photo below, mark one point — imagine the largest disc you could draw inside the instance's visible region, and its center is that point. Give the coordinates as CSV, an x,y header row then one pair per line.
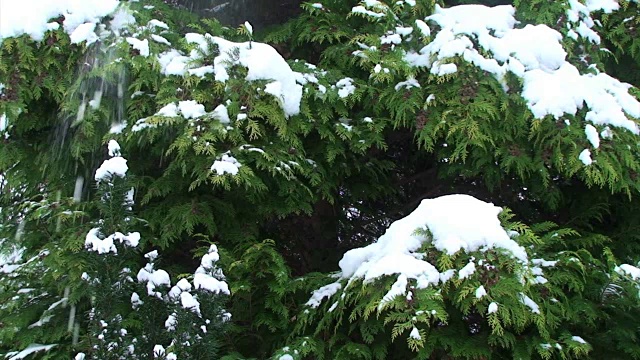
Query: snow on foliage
x,y
14,21
455,222
93,241
153,278
29,350
629,270
551,85
207,276
326,291
226,165
116,166
262,61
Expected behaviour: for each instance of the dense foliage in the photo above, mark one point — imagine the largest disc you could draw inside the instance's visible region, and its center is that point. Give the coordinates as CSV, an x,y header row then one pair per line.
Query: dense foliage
x,y
285,166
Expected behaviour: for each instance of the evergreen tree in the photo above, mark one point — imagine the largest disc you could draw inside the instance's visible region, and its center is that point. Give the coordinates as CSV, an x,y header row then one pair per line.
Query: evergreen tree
x,y
315,157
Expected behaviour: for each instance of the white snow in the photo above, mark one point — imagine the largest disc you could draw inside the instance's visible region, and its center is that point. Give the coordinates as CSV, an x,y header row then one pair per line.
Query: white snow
x,y
529,303
480,292
153,23
173,63
169,110
141,45
467,270
116,166
408,84
592,135
15,21
249,28
191,109
630,270
114,148
188,301
551,85
222,114
262,61
578,339
94,242
391,39
201,71
326,291
121,19
151,255
415,334
160,39
84,32
362,10
345,87
226,165
209,283
158,350
3,122
456,222
29,350
135,300
398,288
153,278
493,308
585,157
423,27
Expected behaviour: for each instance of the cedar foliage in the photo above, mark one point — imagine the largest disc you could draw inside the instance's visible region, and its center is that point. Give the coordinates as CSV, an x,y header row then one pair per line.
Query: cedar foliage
x,y
314,185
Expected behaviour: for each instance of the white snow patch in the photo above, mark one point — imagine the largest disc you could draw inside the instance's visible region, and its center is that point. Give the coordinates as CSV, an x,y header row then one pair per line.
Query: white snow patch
x,y
467,270
160,39
480,292
585,157
141,45
153,23
153,278
326,291
408,84
226,165
262,61
116,166
169,110
114,148
173,63
415,334
345,87
207,276
3,122
221,113
529,303
189,302
29,350
84,32
32,17
398,288
630,270
423,27
94,242
190,109
456,222
592,135
578,339
493,308
551,85
171,322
